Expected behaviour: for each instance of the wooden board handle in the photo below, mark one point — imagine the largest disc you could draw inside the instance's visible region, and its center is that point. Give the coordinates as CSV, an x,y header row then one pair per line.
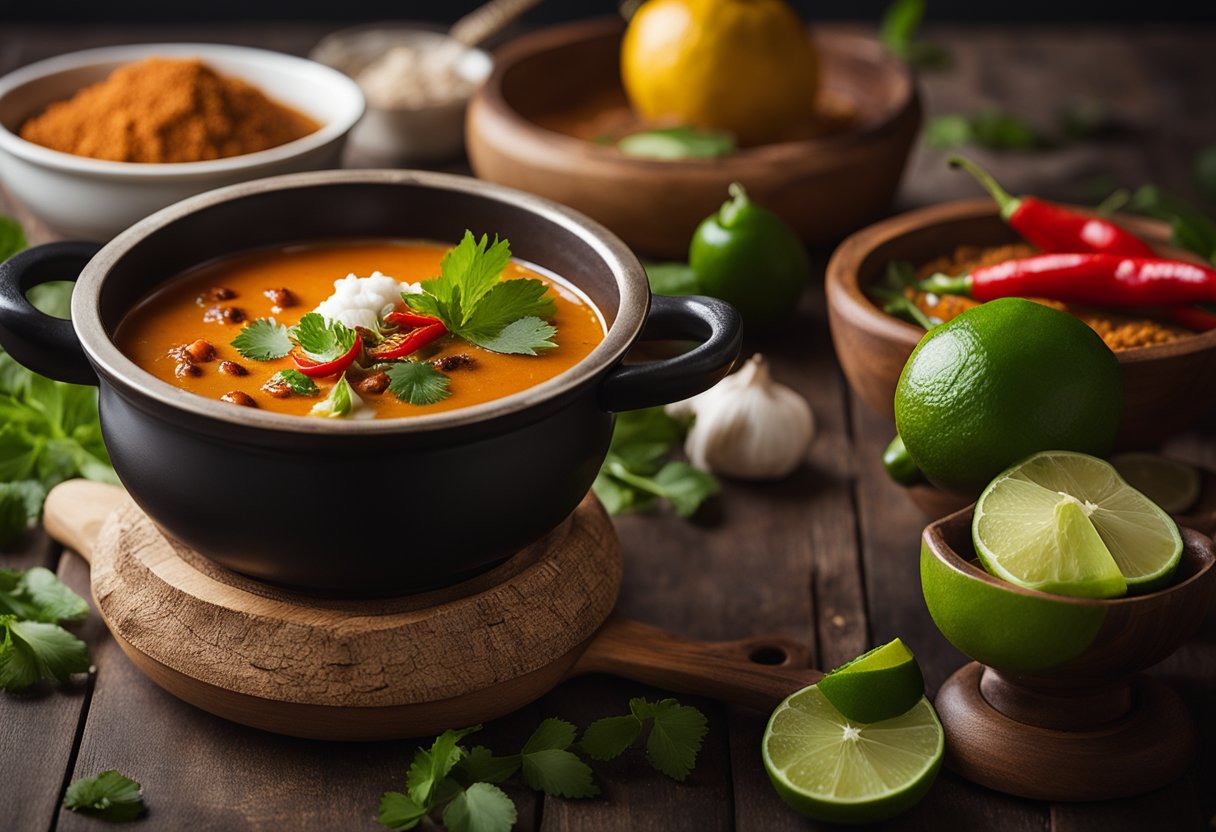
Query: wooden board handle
x,y
756,672
75,511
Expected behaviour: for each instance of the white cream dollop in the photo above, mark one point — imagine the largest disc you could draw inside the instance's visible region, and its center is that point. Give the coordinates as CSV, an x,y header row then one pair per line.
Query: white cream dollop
x,y
748,426
363,301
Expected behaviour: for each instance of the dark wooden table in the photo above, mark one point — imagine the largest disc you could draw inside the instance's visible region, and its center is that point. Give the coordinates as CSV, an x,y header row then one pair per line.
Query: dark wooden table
x,y
829,556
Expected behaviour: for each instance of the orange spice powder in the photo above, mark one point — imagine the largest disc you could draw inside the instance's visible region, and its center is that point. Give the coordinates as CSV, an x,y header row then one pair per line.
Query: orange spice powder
x,y
166,110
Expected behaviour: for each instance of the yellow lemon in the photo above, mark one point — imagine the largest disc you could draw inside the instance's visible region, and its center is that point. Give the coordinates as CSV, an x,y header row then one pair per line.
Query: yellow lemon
x,y
746,66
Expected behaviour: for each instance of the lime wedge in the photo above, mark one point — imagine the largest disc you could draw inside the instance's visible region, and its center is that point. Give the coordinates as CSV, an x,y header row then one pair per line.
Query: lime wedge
x,y
1172,485
833,769
877,685
1068,524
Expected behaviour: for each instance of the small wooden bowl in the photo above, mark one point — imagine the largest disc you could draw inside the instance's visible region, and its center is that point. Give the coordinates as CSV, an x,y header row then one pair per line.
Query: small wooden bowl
x,y
1053,708
824,187
1167,387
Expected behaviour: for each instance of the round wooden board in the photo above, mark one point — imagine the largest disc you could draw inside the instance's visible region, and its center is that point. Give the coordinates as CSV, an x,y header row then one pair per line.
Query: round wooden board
x,y
348,669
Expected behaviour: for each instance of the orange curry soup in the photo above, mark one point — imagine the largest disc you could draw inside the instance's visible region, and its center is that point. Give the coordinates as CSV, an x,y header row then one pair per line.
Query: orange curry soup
x,y
211,303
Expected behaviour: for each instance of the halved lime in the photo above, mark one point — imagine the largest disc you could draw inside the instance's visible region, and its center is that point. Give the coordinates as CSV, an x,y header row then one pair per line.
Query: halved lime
x,y
1172,485
833,769
1067,523
877,685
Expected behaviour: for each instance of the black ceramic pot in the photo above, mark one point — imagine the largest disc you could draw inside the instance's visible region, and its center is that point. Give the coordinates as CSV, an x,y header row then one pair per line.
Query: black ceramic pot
x,y
368,508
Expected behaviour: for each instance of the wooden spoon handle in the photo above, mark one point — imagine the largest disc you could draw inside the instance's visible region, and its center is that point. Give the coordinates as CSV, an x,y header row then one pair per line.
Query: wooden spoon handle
x,y
756,673
75,511
486,21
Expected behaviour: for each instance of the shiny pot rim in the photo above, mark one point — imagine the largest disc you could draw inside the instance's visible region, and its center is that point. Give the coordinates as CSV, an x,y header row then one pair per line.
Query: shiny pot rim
x,y
110,362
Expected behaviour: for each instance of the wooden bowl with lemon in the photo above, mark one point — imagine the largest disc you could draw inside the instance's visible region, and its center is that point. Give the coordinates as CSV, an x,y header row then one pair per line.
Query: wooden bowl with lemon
x,y
820,124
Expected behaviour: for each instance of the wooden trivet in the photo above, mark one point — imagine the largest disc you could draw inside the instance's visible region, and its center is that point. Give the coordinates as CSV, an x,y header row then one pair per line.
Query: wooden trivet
x,y
342,669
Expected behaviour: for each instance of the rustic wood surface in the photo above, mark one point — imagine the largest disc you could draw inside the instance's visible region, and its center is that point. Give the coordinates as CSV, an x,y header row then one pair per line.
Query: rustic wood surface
x,y
828,558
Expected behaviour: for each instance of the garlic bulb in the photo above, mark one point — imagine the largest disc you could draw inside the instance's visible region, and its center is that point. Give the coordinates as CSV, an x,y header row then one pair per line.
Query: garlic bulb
x,y
748,426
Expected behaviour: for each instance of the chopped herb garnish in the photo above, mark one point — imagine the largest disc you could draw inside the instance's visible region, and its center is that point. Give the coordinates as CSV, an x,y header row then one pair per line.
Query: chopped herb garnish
x,y
262,340
299,383
321,340
474,303
340,401
34,650
417,382
110,796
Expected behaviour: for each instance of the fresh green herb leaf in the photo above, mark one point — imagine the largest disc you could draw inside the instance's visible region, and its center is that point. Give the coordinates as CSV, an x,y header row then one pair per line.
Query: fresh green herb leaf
x,y
947,132
675,738
523,337
321,340
398,811
480,765
37,595
684,486
607,739
12,237
299,383
672,279
635,473
339,403
262,340
20,503
474,303
618,497
480,808
989,128
549,767
35,650
432,766
1205,172
109,796
53,298
675,143
899,26
417,382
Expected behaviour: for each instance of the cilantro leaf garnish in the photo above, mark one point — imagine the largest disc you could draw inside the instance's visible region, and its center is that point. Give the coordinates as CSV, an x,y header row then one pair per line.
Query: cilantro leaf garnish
x,y
262,340
109,796
480,765
340,401
322,340
299,383
522,337
398,811
432,766
549,767
608,738
417,382
35,650
474,303
675,737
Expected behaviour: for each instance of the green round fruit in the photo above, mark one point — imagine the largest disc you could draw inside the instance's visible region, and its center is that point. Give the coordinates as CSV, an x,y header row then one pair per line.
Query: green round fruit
x,y
1000,382
747,256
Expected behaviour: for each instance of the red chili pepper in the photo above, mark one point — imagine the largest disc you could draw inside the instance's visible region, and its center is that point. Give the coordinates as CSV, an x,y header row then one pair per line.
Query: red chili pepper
x,y
1054,228
410,319
402,344
1091,279
330,368
1193,317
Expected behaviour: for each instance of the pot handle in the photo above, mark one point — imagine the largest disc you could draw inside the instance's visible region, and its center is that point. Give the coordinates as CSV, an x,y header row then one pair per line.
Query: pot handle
x,y
715,323
45,344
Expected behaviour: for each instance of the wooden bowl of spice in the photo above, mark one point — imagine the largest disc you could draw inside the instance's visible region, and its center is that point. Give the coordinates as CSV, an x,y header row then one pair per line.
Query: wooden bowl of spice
x,y
1169,371
93,141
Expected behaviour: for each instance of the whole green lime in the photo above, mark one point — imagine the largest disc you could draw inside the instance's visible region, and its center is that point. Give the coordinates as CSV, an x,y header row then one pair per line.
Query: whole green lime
x,y
747,256
1000,382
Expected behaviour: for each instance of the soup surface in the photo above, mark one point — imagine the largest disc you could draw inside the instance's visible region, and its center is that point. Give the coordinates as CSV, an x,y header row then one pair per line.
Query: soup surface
x,y
214,303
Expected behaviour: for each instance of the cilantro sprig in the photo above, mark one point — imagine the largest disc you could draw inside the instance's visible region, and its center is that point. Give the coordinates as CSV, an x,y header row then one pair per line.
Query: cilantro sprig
x,y
322,340
33,647
476,304
262,340
109,796
459,786
637,473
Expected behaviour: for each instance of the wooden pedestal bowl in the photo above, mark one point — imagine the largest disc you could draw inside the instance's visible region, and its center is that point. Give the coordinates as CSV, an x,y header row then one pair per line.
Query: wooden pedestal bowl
x,y
1053,707
824,186
1167,387
340,669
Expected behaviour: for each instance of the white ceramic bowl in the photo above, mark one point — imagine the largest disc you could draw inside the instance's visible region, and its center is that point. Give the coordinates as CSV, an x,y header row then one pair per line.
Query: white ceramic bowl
x,y
96,199
402,135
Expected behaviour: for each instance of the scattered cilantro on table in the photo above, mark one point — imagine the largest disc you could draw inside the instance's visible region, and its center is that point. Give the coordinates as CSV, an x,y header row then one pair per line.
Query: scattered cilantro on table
x,y
33,647
109,796
995,129
637,473
898,32
459,786
474,303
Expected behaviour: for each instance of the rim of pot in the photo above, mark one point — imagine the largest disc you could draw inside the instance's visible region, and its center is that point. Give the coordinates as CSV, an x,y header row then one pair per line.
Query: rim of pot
x,y
117,368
